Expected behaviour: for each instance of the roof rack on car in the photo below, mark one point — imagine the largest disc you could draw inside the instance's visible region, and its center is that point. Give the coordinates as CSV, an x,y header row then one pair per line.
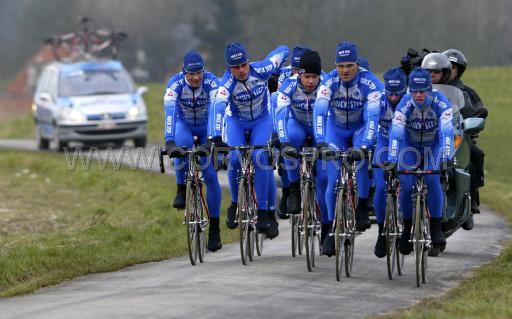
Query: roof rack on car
x,y
87,43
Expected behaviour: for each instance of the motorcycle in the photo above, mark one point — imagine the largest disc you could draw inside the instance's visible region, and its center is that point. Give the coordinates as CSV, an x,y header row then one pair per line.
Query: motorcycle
x,y
457,203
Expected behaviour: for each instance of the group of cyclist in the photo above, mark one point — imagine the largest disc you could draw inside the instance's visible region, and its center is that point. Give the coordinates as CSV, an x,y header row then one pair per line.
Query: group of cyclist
x,y
402,121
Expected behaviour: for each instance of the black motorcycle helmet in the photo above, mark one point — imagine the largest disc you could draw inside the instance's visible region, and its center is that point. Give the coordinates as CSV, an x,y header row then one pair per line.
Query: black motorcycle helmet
x,y
440,62
456,57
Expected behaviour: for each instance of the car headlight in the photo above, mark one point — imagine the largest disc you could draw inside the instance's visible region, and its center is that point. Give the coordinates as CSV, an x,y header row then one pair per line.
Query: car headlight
x,y
72,115
136,112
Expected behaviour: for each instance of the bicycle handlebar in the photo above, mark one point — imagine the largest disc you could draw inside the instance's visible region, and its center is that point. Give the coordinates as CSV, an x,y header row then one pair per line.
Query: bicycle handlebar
x,y
418,172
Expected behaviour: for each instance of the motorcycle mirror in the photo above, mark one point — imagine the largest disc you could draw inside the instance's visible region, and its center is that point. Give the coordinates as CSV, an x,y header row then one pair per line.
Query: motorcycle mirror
x,y
473,125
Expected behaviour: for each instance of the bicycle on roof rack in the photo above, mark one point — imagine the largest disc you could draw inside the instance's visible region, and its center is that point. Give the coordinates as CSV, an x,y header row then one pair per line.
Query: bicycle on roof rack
x,y
87,43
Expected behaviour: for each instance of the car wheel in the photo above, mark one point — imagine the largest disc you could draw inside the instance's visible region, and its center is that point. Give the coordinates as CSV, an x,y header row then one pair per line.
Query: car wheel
x,y
140,142
42,143
58,142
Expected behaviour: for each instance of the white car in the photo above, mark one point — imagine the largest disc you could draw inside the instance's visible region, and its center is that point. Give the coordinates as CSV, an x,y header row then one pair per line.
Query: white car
x,y
88,102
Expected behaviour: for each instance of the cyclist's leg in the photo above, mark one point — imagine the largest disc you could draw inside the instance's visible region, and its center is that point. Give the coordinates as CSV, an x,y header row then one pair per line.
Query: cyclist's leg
x,y
296,136
408,159
260,134
235,137
184,138
213,190
336,138
263,172
379,199
272,191
363,187
434,197
213,194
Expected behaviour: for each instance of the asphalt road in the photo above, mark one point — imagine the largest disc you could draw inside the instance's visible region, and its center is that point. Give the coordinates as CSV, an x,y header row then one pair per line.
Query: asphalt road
x,y
275,285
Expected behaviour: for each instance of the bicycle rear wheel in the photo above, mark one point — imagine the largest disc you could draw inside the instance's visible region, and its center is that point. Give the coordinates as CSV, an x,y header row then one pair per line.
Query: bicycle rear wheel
x,y
339,234
418,239
243,222
390,230
350,240
192,223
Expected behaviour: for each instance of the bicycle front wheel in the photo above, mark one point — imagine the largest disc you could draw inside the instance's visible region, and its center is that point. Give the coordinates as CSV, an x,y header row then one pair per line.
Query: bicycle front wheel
x,y
339,234
418,239
390,230
308,231
243,222
295,234
399,228
202,222
350,239
192,223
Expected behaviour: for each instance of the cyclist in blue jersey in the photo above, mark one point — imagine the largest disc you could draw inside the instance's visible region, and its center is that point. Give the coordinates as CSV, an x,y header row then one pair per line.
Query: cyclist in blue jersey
x,y
188,97
395,86
295,101
244,89
422,136
346,114
279,76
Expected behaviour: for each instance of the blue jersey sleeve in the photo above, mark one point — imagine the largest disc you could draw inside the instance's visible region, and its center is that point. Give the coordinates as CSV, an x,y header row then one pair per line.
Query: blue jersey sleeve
x,y
283,102
219,106
371,108
398,128
445,113
171,96
321,108
272,62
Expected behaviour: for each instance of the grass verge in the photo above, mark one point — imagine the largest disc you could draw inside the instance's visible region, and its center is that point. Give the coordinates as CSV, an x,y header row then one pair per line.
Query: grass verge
x,y
59,224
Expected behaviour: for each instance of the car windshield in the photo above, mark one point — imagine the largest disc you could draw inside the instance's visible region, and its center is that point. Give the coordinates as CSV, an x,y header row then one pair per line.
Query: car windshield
x,y
95,82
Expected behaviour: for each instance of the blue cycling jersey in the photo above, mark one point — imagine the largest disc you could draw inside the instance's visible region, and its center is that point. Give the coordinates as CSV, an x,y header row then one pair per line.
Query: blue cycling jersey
x,y
387,111
188,104
423,127
284,73
247,100
349,104
294,102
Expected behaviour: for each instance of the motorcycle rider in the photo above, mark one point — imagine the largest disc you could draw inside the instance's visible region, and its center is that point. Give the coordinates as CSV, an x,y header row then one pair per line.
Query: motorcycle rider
x,y
459,65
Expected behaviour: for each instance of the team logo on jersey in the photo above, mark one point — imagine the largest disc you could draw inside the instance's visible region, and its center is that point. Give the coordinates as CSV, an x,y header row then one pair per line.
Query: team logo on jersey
x,y
169,92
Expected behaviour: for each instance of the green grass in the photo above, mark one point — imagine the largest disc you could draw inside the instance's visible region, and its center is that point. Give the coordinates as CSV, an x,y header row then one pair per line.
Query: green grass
x,y
59,224
19,127
488,292
155,108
